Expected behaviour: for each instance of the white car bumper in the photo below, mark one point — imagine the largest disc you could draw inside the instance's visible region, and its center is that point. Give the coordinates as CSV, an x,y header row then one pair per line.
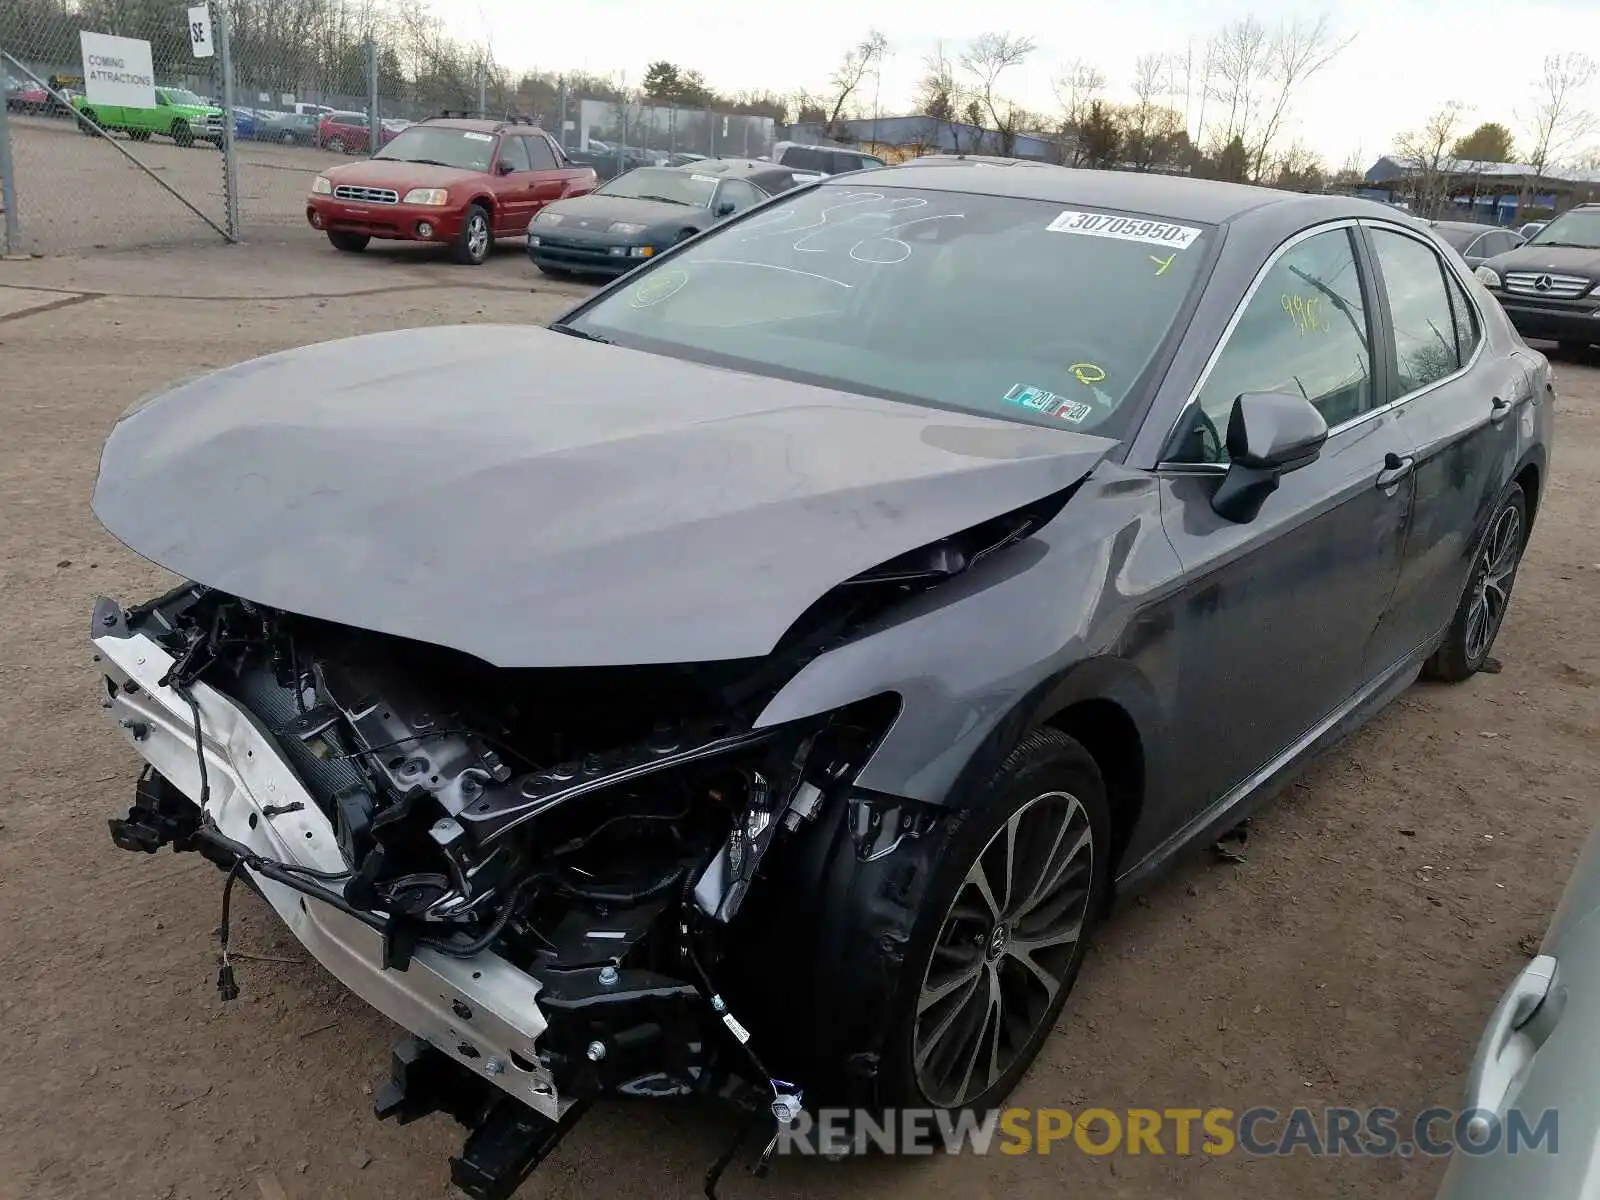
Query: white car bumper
x,y
482,1011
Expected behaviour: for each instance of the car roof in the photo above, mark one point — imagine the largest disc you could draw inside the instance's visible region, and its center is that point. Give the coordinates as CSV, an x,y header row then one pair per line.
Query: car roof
x,y
767,175
1464,226
1177,197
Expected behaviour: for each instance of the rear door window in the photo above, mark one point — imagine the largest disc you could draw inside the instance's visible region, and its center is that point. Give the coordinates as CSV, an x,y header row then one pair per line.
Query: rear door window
x,y
1426,348
540,156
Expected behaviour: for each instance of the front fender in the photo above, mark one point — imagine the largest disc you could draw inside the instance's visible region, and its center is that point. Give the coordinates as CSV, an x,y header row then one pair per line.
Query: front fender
x,y
986,655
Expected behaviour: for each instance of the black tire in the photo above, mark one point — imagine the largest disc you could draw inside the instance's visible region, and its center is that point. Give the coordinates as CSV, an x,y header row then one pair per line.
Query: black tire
x,y
182,135
86,116
287,138
1044,765
475,242
684,235
349,243
336,145
1478,617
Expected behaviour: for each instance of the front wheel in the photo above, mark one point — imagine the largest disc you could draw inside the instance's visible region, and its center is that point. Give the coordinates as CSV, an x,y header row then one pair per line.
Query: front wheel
x,y
1002,929
182,135
349,243
1483,605
476,239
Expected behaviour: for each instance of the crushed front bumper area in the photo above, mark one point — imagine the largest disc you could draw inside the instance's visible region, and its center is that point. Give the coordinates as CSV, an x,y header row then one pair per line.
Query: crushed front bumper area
x,y
483,1009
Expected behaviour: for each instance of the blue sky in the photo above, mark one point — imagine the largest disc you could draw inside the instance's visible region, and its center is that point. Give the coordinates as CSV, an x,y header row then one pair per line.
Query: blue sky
x,y
1407,58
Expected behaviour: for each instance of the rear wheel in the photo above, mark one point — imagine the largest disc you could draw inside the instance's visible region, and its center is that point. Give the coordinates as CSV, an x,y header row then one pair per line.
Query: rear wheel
x,y
182,135
476,239
350,243
1483,605
336,144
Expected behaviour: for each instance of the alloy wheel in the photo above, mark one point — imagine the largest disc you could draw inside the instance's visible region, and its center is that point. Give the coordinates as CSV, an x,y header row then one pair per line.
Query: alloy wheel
x,y
1492,583
477,237
1004,949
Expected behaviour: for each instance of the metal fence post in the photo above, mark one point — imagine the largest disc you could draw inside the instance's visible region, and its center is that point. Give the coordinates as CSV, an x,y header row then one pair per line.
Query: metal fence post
x,y
8,187
230,157
374,120
562,135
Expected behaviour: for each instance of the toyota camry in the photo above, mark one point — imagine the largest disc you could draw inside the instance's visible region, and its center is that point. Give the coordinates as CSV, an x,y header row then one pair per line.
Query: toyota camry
x,y
760,682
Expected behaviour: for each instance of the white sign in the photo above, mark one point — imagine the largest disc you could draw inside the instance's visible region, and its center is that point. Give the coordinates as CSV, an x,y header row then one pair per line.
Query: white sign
x,y
200,30
117,71
1127,229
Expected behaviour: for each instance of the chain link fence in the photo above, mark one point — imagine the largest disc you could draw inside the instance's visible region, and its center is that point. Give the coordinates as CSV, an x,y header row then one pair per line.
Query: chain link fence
x,y
132,123
112,137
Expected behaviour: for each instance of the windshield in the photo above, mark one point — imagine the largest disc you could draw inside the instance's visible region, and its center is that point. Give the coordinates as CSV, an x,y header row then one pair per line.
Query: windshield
x,y
986,304
662,183
443,147
183,96
1580,227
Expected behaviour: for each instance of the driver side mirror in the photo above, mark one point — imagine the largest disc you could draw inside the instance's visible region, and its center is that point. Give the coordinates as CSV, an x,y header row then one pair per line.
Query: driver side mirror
x,y
504,168
726,208
1269,435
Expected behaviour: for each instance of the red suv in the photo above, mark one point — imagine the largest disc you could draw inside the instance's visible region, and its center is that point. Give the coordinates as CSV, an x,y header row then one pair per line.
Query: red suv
x,y
456,181
349,133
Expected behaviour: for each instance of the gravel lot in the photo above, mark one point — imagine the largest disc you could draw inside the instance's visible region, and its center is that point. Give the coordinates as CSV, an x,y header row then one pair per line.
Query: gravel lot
x,y
1385,900
78,193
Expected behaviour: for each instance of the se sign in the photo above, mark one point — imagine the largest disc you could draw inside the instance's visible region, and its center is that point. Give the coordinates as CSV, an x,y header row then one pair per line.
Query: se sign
x,y
117,71
200,30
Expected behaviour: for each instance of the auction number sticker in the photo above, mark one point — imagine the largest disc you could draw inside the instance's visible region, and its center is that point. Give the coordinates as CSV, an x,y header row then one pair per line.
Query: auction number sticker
x,y
1127,229
478,137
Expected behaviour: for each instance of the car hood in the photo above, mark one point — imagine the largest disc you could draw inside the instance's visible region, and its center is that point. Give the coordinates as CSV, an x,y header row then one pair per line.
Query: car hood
x,y
599,212
396,174
535,499
1562,260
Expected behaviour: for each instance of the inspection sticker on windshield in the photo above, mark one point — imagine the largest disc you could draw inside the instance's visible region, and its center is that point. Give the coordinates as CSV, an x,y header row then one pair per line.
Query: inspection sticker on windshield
x,y
1127,229
478,137
1049,403
705,178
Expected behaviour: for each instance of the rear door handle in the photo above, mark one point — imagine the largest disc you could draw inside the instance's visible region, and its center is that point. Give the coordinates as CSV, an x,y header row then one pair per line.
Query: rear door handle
x,y
1395,469
1500,409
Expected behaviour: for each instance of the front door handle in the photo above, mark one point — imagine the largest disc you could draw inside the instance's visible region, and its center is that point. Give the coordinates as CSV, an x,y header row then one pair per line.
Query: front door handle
x,y
1500,409
1395,469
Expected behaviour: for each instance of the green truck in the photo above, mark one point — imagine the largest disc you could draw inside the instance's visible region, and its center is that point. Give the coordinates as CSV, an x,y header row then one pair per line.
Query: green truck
x,y
179,114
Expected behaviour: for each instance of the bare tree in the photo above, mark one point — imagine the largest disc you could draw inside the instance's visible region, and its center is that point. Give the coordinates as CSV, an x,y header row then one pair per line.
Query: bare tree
x,y
859,62
1077,89
1425,153
986,58
1297,51
1558,119
1256,73
1241,61
940,98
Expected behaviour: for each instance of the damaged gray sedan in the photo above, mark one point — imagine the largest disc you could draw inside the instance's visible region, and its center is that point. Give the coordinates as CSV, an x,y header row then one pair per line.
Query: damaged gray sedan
x,y
759,683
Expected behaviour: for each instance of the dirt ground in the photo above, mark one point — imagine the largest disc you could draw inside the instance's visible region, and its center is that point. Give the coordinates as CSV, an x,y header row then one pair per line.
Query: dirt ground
x,y
1385,900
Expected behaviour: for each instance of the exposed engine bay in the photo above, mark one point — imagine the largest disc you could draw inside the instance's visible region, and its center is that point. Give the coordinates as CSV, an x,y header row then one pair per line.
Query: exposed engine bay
x,y
600,830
